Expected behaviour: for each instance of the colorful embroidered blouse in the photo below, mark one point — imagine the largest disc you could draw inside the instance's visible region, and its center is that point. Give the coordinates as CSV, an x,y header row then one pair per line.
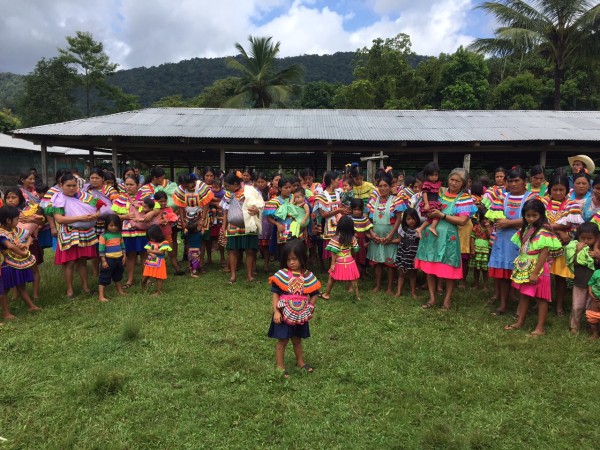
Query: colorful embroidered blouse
x,y
122,205
233,230
199,197
541,239
281,280
361,224
375,206
334,246
567,212
326,202
509,206
11,259
281,210
463,206
153,259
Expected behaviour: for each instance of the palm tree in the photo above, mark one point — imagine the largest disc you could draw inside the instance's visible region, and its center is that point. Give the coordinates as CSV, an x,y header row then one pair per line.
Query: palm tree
x,y
563,31
260,84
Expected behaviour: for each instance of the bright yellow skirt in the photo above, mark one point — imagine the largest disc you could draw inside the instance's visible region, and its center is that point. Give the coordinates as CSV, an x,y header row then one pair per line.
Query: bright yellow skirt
x,y
559,268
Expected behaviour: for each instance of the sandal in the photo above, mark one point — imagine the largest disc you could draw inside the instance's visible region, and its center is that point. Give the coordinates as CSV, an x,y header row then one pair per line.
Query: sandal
x,y
127,286
324,296
427,305
308,368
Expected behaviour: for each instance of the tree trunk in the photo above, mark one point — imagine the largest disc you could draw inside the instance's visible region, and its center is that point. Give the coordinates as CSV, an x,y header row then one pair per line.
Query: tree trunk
x,y
557,85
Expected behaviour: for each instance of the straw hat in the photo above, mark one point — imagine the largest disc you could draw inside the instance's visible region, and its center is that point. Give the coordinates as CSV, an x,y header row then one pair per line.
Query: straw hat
x,y
589,164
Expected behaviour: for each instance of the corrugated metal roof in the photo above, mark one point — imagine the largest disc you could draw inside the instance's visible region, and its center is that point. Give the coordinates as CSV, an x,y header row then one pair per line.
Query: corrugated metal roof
x,y
335,125
7,141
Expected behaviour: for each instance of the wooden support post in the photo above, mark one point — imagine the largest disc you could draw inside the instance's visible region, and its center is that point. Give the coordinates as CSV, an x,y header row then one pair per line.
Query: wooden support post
x,y
172,166
92,158
222,159
467,162
436,157
328,160
543,158
381,166
115,159
44,162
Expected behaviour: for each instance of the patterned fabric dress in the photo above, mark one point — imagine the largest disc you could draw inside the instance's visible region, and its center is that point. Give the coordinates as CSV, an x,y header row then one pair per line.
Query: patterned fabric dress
x,y
326,202
134,237
565,212
282,211
433,195
16,269
345,265
481,237
237,238
383,216
530,247
407,249
361,226
155,266
504,252
193,201
107,194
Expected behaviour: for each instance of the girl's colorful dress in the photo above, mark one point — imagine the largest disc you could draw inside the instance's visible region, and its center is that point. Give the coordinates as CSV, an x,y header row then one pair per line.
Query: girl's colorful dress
x,y
567,212
541,191
155,266
326,202
286,282
345,267
440,256
133,235
107,194
481,236
504,253
407,249
193,202
361,226
237,238
383,216
16,269
530,246
282,211
433,196
78,239
585,204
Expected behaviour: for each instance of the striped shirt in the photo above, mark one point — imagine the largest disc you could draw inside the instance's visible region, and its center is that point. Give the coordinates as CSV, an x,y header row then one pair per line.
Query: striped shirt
x,y
111,245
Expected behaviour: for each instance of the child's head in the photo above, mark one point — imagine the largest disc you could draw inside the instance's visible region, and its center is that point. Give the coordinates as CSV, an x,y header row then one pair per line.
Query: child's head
x,y
357,206
161,198
477,188
192,225
208,175
483,221
409,181
410,218
216,185
587,233
308,176
110,179
148,205
537,176
112,224
299,196
330,178
9,217
534,213
432,171
41,189
293,255
499,176
484,180
14,197
155,234
558,187
348,184
345,230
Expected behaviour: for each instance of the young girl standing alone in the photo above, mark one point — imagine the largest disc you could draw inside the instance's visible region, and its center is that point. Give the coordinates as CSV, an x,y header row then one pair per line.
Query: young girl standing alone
x,y
343,267
155,266
407,250
111,249
295,291
531,275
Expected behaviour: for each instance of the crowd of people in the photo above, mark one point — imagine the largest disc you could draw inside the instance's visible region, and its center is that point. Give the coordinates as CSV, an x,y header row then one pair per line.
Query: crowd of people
x,y
521,229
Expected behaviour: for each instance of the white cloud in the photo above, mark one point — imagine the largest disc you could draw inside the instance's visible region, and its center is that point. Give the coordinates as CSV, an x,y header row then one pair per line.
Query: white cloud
x,y
151,32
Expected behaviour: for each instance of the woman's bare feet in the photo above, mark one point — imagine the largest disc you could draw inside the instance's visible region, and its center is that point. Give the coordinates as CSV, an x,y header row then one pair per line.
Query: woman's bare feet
x,y
34,308
8,317
512,327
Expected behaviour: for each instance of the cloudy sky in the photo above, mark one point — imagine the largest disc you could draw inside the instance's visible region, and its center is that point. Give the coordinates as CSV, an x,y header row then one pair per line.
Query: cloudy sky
x,y
151,32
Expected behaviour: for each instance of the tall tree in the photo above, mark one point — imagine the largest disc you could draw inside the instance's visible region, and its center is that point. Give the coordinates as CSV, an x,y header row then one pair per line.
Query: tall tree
x,y
48,94
88,57
564,31
464,81
261,84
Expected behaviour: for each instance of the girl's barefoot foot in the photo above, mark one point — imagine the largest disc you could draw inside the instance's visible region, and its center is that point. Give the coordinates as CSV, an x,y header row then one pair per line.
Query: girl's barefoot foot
x,y
398,294
574,331
413,295
375,289
560,312
389,292
512,327
194,275
537,332
34,308
103,300
595,336
8,317
433,231
231,281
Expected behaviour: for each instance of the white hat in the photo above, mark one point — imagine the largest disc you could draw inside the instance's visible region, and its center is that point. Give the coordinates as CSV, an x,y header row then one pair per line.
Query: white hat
x,y
589,164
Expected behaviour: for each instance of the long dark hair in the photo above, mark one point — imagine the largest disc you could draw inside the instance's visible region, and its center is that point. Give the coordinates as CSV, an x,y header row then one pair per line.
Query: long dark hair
x,y
345,231
537,206
112,218
297,248
18,193
8,213
410,212
155,234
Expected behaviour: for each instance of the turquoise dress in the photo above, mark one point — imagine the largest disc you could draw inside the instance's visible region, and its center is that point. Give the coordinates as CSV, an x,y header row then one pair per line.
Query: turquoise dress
x,y
380,253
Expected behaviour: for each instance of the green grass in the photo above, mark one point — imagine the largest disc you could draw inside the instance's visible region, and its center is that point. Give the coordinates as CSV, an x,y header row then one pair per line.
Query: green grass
x,y
194,369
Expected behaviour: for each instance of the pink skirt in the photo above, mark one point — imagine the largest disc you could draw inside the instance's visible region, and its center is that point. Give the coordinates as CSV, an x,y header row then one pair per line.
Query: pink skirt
x,y
542,289
345,269
74,253
439,269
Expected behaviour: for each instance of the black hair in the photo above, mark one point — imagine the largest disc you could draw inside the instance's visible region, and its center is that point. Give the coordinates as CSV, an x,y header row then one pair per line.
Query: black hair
x,y
500,169
98,171
8,213
67,177
357,203
294,247
536,170
410,212
537,206
484,180
217,181
420,176
582,174
187,178
135,178
18,193
155,234
345,231
192,225
208,169
109,176
156,172
60,173
232,178
597,179
149,202
300,190
328,177
431,168
307,172
481,212
477,188
409,181
41,189
386,177
355,172
379,174
249,171
282,182
24,176
517,172
558,180
160,195
112,218
587,227
128,169
350,181
261,176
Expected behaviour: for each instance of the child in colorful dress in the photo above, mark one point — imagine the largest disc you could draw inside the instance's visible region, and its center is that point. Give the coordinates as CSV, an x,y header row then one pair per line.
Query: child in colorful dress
x,y
347,194
480,248
194,241
531,275
111,249
362,229
592,311
299,228
279,212
580,261
168,219
155,266
430,196
295,291
343,267
18,261
216,214
262,185
407,250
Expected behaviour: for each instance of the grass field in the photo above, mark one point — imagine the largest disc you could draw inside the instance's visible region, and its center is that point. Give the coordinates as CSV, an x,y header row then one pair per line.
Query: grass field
x,y
194,369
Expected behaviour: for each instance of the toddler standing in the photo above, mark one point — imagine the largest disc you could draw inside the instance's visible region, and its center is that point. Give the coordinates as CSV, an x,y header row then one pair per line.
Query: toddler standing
x,y
155,266
343,267
407,250
111,249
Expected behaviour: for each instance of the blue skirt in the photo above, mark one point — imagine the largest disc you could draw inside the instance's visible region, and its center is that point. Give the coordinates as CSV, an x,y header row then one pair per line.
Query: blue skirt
x,y
285,331
504,252
12,277
135,244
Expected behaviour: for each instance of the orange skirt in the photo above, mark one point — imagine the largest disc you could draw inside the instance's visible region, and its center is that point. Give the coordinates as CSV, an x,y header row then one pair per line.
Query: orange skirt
x,y
159,272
